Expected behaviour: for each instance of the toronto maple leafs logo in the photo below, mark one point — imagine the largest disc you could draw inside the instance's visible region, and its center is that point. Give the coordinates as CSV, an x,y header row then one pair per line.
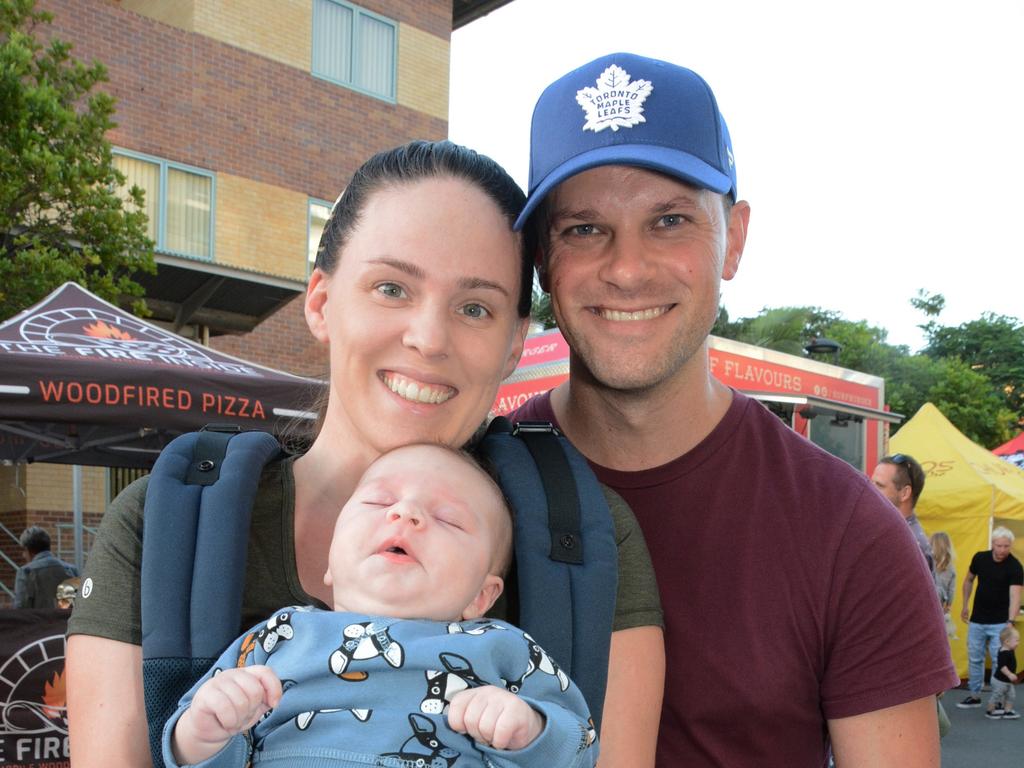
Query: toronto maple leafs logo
x,y
615,102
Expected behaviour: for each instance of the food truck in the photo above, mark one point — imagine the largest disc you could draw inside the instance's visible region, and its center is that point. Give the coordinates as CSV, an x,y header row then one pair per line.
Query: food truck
x,y
841,410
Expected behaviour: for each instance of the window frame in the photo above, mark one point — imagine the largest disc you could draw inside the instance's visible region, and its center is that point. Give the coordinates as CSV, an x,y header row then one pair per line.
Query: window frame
x,y
161,224
355,42
309,223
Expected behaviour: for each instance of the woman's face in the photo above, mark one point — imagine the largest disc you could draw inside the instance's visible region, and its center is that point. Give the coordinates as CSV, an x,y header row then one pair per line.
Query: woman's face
x,y
420,316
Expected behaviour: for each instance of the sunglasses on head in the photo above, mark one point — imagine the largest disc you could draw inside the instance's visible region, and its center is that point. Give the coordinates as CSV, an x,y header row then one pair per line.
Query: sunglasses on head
x,y
904,461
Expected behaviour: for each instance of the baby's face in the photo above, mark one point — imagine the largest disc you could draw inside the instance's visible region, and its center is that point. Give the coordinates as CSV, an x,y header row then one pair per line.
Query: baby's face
x,y
417,539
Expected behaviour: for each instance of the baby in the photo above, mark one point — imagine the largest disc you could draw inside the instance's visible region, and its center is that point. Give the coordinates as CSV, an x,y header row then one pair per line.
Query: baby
x,y
405,668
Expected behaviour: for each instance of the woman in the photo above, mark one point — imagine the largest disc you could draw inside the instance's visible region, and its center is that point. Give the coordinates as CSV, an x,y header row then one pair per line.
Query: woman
x,y
944,575
421,293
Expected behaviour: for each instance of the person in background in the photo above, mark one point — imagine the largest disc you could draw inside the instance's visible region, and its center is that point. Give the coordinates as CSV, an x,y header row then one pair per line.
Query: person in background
x,y
776,561
996,604
900,479
35,584
944,574
1004,676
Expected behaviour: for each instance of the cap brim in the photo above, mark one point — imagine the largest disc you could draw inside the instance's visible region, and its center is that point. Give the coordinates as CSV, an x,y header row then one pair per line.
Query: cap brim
x,y
671,162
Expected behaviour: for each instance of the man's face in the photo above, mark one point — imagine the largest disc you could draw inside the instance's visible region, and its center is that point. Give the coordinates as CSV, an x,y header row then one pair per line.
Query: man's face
x,y
884,479
1000,549
634,268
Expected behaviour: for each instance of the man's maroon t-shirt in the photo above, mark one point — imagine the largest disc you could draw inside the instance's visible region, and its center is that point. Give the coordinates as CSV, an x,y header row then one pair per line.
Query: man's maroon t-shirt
x,y
793,593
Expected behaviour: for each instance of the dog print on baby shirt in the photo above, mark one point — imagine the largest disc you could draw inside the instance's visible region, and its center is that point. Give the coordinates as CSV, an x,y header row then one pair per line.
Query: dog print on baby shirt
x,y
364,641
423,748
539,661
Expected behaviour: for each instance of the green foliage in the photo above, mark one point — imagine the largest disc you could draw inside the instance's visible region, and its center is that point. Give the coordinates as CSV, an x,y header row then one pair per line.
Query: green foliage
x,y
993,346
964,374
968,400
931,304
541,310
61,217
789,329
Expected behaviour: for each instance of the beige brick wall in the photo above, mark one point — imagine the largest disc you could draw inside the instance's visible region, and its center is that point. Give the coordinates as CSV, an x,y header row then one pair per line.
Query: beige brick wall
x,y
261,227
278,29
177,13
423,71
49,487
12,489
281,30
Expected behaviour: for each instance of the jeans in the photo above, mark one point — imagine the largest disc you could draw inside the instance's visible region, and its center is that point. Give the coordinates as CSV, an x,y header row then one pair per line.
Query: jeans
x,y
978,635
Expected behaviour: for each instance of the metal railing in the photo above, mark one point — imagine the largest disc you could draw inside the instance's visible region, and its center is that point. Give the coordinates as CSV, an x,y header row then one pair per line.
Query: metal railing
x,y
66,533
5,531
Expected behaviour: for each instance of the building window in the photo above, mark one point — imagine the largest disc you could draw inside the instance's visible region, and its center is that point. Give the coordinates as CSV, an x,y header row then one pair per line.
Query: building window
x,y
354,47
178,203
119,478
319,211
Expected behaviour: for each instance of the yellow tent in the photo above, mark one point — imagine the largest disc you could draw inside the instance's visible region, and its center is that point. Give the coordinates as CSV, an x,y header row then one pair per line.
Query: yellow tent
x,y
967,491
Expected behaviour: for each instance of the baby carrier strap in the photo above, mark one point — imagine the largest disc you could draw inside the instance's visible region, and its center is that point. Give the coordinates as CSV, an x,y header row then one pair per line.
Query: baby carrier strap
x,y
195,540
566,557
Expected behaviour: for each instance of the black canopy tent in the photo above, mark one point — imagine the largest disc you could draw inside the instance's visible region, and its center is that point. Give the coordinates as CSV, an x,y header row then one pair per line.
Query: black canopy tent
x,y
83,382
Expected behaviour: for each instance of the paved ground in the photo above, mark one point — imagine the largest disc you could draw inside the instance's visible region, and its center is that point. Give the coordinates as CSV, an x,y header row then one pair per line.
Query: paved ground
x,y
974,741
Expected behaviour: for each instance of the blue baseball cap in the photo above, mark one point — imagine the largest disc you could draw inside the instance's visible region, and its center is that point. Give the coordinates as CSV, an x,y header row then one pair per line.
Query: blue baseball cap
x,y
624,109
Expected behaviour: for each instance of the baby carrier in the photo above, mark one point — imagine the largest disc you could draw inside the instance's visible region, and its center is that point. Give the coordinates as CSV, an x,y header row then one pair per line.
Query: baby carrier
x,y
196,529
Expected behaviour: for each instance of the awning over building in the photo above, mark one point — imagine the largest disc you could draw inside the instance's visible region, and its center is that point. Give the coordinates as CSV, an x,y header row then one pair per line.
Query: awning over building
x,y
810,406
465,11
226,300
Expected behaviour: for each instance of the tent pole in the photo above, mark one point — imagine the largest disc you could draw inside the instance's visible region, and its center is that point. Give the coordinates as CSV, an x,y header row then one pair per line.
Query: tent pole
x,y
76,506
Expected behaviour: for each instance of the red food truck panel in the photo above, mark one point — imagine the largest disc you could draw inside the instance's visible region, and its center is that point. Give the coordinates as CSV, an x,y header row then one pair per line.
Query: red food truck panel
x,y
749,374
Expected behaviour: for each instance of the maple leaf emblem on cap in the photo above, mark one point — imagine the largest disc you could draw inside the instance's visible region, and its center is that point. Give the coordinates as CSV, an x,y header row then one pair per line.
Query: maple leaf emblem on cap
x,y
615,102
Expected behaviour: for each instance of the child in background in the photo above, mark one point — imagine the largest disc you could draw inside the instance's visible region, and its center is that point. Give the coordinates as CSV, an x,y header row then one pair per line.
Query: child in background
x,y
1004,675
944,576
404,670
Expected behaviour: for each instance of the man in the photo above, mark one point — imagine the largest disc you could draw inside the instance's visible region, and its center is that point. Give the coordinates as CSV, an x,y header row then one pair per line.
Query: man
x,y
900,479
774,560
996,604
35,584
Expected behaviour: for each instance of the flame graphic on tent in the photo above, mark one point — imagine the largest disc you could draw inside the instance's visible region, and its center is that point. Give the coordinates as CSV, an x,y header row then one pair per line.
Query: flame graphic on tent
x,y
101,330
54,696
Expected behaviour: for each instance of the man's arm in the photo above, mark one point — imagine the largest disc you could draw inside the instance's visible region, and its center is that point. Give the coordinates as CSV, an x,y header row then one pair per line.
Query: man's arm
x,y
904,736
632,703
106,712
968,586
1014,602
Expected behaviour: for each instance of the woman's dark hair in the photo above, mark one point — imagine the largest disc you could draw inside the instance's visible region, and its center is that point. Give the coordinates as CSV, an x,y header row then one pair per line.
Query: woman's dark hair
x,y
422,160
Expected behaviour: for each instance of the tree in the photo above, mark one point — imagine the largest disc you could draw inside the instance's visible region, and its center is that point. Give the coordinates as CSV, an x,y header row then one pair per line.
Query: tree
x,y
789,329
992,345
967,399
61,214
966,396
541,310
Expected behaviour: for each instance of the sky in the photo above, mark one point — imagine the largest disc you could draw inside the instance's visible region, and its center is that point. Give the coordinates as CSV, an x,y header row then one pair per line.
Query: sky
x,y
880,144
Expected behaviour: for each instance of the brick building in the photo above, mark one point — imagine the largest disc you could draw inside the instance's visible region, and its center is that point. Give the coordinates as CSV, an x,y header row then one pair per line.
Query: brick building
x,y
242,121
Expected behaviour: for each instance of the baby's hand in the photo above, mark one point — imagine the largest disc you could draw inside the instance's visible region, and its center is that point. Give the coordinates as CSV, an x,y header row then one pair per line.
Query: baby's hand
x,y
493,716
226,704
